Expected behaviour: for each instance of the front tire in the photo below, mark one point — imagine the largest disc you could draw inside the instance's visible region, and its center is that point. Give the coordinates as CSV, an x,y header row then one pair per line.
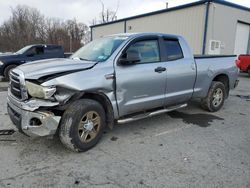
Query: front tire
x,y
248,72
215,97
82,125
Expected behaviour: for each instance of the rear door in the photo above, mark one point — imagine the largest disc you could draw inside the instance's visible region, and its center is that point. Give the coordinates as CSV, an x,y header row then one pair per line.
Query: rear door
x,y
181,72
141,86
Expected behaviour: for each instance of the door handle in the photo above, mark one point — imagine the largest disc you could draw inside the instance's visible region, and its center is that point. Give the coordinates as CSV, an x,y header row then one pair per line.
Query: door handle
x,y
160,69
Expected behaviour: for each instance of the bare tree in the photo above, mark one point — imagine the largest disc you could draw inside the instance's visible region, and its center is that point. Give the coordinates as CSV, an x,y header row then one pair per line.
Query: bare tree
x,y
76,32
22,28
108,15
27,26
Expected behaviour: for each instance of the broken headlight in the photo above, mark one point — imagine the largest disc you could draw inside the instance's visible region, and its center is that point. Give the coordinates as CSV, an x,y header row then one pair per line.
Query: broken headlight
x,y
39,91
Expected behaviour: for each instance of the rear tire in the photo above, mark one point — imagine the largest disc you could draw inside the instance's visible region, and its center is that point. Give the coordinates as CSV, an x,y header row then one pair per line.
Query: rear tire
x,y
215,97
248,72
7,71
82,125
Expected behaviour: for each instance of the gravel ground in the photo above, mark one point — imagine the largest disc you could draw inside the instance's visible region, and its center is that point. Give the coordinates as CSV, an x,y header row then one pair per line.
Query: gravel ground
x,y
186,148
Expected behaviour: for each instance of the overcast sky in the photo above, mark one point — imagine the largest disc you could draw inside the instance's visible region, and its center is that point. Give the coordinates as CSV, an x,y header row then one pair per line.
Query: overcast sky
x,y
85,10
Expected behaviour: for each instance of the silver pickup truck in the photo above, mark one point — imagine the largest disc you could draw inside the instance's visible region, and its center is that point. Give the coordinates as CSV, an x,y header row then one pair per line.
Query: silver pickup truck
x,y
115,79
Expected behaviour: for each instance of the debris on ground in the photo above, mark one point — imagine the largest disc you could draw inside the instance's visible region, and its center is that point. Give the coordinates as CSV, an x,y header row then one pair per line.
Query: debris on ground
x,y
7,132
245,97
185,159
113,138
77,182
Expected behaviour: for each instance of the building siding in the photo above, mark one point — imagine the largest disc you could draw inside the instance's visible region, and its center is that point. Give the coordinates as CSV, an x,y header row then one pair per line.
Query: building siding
x,y
109,29
222,24
188,22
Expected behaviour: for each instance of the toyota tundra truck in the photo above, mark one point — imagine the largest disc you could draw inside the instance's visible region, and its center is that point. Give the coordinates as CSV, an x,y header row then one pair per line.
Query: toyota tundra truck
x,y
114,79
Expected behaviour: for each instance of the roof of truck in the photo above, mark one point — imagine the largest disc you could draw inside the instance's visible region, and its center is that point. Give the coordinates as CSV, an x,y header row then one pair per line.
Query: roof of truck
x,y
143,34
44,45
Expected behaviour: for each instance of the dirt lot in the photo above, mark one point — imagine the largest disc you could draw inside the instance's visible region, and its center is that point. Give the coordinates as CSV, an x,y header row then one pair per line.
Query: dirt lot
x,y
186,148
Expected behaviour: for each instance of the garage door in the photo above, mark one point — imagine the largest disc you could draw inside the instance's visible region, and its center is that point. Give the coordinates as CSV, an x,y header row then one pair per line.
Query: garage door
x,y
242,39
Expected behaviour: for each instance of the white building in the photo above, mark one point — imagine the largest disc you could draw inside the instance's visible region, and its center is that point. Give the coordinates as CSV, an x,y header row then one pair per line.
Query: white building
x,y
210,26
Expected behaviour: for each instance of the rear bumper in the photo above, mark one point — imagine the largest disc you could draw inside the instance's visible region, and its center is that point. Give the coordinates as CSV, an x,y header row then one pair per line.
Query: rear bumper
x,y
33,123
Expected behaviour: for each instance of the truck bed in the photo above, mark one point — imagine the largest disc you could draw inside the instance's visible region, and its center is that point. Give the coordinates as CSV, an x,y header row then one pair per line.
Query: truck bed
x,y
208,67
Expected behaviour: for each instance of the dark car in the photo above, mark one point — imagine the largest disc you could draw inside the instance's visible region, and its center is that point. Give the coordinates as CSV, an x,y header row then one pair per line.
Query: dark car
x,y
27,54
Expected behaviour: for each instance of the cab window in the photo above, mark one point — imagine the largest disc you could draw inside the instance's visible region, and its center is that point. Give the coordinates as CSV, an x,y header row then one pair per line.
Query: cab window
x,y
148,50
35,51
40,50
173,49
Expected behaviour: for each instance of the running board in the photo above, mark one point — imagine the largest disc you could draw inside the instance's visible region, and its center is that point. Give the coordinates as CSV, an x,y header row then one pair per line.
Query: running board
x,y
150,114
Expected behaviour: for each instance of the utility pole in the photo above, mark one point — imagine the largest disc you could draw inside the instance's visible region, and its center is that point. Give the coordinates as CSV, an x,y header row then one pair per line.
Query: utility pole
x,y
70,42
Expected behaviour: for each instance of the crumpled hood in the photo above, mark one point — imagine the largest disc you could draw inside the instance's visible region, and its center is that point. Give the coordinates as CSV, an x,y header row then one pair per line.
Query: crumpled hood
x,y
38,69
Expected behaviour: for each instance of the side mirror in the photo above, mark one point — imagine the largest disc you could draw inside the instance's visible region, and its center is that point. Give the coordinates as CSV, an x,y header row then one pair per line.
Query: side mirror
x,y
130,58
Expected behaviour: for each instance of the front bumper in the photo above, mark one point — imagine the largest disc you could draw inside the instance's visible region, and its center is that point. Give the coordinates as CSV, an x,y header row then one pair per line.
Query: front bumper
x,y
32,123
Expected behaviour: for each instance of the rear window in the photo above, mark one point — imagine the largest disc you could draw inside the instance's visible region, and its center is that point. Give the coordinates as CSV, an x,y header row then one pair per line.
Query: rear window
x,y
173,49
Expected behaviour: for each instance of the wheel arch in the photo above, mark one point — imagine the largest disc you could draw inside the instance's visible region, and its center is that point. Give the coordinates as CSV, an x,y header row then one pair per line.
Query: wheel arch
x,y
223,78
9,64
106,104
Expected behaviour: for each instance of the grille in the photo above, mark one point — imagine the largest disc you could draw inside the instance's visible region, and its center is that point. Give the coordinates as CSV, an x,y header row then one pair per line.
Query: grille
x,y
17,85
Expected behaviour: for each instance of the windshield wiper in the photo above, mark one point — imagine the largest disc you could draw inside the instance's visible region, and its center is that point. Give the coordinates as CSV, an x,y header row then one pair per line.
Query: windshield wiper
x,y
84,59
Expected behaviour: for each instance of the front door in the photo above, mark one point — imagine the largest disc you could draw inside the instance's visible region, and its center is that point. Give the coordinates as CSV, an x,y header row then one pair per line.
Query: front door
x,y
141,86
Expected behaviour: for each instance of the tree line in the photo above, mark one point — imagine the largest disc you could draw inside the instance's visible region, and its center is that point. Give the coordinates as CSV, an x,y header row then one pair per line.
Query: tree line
x,y
27,25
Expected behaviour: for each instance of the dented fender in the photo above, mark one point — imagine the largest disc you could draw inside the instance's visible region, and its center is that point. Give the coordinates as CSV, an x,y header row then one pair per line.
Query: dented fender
x,y
96,80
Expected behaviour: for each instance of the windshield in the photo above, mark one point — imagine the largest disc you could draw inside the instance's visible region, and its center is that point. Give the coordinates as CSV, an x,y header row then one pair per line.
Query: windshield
x,y
24,49
99,50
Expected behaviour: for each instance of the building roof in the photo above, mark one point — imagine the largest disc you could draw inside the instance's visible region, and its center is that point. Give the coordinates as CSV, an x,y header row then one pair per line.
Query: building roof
x,y
222,2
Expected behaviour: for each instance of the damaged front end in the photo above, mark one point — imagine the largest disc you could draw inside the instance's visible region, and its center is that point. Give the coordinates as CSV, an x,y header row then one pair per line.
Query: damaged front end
x,y
33,123
33,108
